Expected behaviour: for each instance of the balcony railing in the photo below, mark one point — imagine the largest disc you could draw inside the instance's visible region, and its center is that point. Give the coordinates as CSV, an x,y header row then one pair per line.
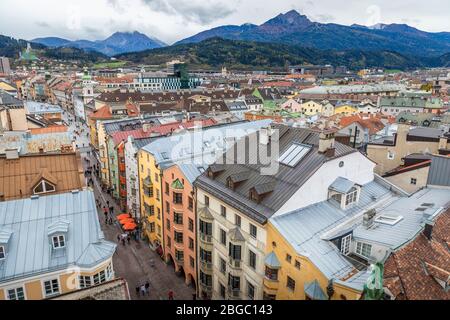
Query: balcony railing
x,y
235,263
205,238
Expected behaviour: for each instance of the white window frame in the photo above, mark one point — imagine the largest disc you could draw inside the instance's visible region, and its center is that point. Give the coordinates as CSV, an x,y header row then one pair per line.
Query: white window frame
x,y
351,197
7,296
345,244
42,183
53,292
2,253
359,249
60,241
82,281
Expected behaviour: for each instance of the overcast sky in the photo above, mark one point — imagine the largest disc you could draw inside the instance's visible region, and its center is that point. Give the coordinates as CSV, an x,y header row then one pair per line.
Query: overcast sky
x,y
172,20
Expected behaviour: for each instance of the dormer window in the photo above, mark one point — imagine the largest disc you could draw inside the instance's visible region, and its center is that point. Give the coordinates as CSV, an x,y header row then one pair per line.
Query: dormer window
x,y
44,187
59,242
2,253
351,197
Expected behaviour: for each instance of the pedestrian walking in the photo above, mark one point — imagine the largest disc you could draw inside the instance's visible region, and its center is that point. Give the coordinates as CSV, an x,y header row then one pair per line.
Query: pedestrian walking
x,y
170,295
105,212
138,291
110,220
194,296
123,241
118,238
111,210
128,239
143,291
147,287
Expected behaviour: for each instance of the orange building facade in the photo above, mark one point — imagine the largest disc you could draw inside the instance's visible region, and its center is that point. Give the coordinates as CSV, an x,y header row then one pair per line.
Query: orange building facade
x,y
179,224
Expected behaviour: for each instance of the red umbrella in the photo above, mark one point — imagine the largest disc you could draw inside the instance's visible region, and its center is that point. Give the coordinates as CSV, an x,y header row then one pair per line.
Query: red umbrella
x,y
125,221
130,226
123,216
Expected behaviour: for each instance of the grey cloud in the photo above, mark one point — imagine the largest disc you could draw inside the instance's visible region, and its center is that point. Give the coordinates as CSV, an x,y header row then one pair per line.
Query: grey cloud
x,y
324,17
192,11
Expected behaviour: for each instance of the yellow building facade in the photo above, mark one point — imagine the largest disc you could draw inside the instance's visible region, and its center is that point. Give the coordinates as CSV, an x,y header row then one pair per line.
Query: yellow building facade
x,y
61,281
311,108
286,278
150,193
345,109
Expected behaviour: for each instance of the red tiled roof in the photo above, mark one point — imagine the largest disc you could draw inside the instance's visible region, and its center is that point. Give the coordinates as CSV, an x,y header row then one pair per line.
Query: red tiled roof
x,y
52,129
414,272
372,123
102,113
162,130
278,84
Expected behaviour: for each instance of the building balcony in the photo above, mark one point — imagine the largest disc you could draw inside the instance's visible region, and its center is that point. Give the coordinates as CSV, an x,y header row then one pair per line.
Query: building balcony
x,y
178,245
208,239
235,264
234,294
206,265
270,285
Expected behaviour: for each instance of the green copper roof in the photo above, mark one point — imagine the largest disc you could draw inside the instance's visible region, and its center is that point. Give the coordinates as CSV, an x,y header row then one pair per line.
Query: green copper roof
x,y
177,185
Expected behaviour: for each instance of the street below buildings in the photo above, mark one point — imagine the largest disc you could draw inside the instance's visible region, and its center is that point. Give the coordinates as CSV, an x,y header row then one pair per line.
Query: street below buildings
x,y
136,262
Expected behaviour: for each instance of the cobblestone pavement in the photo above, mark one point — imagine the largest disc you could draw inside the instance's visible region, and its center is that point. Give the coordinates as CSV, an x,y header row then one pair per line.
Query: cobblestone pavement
x,y
135,262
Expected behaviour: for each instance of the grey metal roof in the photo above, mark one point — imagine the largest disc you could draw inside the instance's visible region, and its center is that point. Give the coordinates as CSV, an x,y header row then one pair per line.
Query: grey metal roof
x,y
313,291
439,174
304,229
288,179
272,260
342,185
395,236
30,252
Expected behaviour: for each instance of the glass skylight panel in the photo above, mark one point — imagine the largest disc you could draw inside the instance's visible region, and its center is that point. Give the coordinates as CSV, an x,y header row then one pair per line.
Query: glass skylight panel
x,y
294,154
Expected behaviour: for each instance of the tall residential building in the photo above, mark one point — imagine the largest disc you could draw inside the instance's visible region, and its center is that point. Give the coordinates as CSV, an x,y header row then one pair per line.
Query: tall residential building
x,y
236,200
4,65
168,168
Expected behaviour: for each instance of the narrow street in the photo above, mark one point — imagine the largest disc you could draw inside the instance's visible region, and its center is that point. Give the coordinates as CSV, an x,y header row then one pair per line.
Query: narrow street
x,y
135,262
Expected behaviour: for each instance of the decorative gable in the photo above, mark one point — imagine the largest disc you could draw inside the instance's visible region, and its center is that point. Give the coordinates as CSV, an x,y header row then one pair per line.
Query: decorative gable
x,y
176,184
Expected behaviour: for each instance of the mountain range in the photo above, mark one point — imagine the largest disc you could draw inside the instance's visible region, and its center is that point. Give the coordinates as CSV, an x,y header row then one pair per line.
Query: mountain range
x,y
118,43
296,29
236,54
10,47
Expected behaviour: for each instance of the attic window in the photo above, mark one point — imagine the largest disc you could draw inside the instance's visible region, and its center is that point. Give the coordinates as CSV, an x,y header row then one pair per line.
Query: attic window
x,y
388,219
44,187
254,195
58,242
351,197
2,253
230,183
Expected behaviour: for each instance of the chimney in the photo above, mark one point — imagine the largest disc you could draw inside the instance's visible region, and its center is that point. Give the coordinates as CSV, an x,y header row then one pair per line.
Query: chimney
x,y
41,149
429,223
368,218
326,141
264,135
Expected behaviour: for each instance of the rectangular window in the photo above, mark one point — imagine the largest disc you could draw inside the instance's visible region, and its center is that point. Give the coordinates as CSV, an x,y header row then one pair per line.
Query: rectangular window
x,y
96,279
159,230
222,266
191,204
157,194
237,220
252,259
290,284
177,198
167,207
192,262
363,249
102,276
271,274
178,237
85,281
234,251
156,177
167,189
250,291
2,252
223,237
191,225
413,181
222,291
152,227
288,258
205,256
297,264
51,287
58,242
206,201
169,242
205,228
191,243
178,218
345,244
168,224
253,231
351,197
16,294
234,282
223,211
